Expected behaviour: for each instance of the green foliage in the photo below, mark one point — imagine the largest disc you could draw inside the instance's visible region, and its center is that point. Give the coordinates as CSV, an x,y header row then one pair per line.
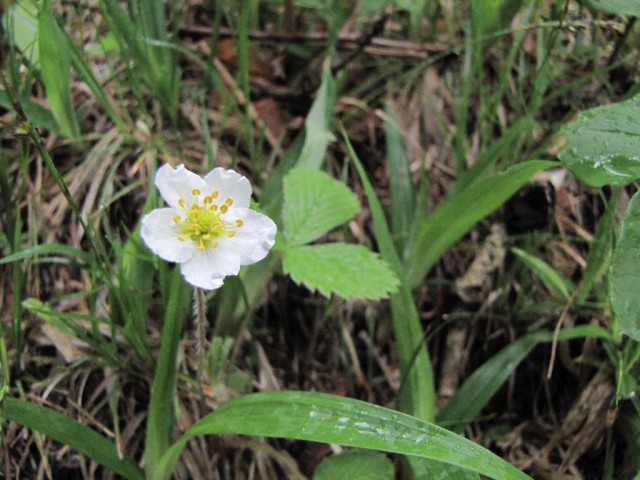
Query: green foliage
x,y
69,432
459,212
400,183
557,283
314,203
351,271
327,418
55,68
617,7
624,281
317,133
603,145
491,16
482,384
20,22
355,465
417,395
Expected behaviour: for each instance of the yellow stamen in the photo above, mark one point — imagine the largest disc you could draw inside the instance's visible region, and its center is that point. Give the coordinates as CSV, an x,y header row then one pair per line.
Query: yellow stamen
x,y
215,194
207,199
239,223
231,234
176,219
195,191
229,201
181,202
224,208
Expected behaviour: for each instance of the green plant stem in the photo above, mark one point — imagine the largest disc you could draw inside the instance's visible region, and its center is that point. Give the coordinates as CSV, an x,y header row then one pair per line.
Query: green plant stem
x,y
160,417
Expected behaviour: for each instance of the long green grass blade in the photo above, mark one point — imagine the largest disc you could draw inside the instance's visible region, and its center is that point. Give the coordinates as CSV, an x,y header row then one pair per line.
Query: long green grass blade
x,y
160,419
400,183
70,432
478,389
459,212
328,418
417,395
55,65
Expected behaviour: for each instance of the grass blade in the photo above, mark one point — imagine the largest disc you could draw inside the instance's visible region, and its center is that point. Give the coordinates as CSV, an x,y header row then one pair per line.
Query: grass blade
x,y
417,395
72,433
160,418
55,65
459,212
482,384
328,418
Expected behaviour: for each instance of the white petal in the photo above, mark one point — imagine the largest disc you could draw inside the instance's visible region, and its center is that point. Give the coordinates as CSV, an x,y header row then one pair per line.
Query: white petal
x,y
251,242
207,268
178,183
160,233
229,184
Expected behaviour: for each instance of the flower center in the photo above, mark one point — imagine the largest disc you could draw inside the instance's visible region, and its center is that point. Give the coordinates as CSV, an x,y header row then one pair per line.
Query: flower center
x,y
201,223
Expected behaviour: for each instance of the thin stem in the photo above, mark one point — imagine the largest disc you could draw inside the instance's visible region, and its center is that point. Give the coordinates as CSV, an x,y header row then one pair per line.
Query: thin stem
x,y
200,316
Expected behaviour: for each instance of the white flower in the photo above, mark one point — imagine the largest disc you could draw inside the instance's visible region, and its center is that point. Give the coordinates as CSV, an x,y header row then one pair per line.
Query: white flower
x,y
208,227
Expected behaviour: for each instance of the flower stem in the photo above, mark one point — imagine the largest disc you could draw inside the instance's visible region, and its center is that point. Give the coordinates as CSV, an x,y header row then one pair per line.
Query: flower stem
x,y
200,316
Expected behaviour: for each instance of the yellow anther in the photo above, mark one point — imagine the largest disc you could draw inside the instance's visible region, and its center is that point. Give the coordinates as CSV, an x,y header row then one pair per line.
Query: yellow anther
x,y
215,194
239,223
214,207
195,191
194,207
229,201
206,237
224,208
181,202
207,199
231,234
181,238
176,219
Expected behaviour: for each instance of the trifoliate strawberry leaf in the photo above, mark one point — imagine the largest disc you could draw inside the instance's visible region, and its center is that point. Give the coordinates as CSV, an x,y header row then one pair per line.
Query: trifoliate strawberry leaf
x,y
350,271
314,203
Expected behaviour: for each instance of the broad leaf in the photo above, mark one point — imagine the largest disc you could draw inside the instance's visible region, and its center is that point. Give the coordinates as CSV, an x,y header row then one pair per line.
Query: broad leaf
x,y
314,203
624,281
603,144
350,271
21,24
355,465
326,418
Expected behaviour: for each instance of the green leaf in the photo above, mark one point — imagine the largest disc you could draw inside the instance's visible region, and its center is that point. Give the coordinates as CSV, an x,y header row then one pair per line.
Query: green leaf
x,y
553,280
351,271
326,418
71,433
603,144
459,212
317,133
483,383
491,16
160,420
618,7
355,465
400,181
624,280
314,203
21,24
55,67
417,395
